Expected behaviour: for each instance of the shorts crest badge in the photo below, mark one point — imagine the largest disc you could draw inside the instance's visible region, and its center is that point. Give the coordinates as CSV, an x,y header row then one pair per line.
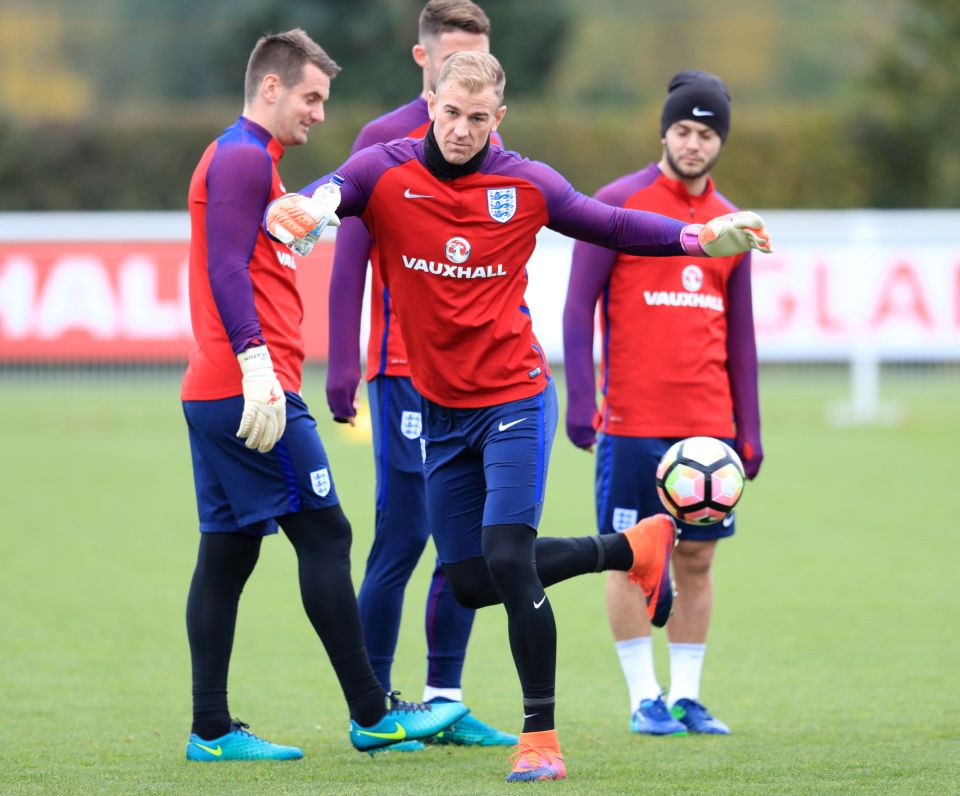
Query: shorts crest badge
x,y
624,518
320,481
411,424
501,203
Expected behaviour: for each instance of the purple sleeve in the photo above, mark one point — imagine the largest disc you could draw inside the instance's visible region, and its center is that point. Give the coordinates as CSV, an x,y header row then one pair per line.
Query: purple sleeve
x,y
346,302
360,175
238,187
629,231
350,258
742,366
589,272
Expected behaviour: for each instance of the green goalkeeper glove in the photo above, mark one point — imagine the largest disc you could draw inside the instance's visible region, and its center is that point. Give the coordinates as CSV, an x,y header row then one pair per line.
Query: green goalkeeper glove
x,y
264,404
727,235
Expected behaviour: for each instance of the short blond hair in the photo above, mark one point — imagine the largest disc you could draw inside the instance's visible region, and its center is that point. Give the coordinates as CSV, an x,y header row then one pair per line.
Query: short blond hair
x,y
474,71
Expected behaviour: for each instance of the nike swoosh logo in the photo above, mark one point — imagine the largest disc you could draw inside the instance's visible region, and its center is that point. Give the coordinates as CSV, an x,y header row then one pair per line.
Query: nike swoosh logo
x,y
529,715
511,424
408,195
537,605
397,735
728,521
698,112
215,752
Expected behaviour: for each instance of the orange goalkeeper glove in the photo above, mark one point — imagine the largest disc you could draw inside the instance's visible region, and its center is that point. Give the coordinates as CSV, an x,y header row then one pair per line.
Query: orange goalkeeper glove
x,y
727,235
294,216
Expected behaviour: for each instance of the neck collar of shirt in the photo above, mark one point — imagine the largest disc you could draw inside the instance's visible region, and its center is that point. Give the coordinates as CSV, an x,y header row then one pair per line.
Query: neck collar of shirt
x,y
444,170
679,189
262,134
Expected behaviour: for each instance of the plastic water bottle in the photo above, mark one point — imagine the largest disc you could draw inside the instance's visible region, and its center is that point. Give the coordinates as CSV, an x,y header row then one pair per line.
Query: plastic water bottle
x,y
323,204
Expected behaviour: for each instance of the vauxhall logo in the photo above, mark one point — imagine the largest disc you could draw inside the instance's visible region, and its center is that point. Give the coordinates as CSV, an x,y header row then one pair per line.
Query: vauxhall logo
x,y
692,279
458,250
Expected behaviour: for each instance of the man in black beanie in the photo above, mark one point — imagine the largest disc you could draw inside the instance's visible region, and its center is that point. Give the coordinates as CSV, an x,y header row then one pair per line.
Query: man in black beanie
x,y
680,360
699,97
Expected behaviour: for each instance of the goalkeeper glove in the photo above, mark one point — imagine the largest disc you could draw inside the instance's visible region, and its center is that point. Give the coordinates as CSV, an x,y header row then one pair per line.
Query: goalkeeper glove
x,y
264,404
293,216
727,235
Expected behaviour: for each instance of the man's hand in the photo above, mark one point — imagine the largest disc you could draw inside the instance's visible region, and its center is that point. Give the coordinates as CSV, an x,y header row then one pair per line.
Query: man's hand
x,y
580,428
264,404
751,454
294,215
731,234
343,396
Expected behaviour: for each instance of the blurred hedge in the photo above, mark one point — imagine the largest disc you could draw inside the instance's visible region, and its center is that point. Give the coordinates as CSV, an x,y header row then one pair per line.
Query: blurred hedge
x,y
790,157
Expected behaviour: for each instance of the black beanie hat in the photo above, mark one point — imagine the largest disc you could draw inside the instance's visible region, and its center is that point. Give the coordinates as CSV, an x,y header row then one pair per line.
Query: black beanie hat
x,y
699,96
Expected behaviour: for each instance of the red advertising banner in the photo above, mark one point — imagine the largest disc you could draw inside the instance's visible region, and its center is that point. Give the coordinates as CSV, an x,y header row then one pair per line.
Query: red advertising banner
x,y
120,301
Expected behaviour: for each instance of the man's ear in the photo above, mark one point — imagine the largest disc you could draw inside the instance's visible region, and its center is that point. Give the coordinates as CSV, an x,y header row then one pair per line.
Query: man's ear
x,y
270,87
420,56
432,105
498,117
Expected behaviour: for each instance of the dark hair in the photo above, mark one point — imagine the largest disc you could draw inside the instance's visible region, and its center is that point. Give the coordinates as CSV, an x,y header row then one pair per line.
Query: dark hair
x,y
442,16
284,55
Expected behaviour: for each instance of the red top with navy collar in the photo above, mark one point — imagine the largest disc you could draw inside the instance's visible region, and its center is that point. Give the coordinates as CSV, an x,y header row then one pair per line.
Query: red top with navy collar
x,y
453,255
243,288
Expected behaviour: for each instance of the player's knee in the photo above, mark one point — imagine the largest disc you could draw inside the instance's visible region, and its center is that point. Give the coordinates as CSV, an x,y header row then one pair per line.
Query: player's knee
x,y
506,568
470,583
694,559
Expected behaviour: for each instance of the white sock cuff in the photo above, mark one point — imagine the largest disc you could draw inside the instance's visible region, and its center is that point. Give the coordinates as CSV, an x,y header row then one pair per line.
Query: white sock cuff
x,y
701,648
633,643
453,694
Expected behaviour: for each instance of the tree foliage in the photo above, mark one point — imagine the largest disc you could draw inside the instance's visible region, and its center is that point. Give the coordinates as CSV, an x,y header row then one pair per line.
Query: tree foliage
x,y
909,117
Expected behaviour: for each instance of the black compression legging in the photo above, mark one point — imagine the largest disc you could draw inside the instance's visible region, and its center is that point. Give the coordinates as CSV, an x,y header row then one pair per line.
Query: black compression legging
x,y
321,539
556,560
514,569
224,562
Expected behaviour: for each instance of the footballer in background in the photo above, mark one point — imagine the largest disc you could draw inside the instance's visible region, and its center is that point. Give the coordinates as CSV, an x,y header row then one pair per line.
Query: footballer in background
x,y
401,526
679,360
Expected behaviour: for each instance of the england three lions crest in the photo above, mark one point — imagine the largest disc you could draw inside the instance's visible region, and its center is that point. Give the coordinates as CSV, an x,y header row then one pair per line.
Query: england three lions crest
x,y
411,424
501,203
320,481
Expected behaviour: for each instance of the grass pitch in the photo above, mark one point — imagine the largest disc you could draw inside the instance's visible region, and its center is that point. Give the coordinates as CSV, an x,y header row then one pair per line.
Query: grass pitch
x,y
833,652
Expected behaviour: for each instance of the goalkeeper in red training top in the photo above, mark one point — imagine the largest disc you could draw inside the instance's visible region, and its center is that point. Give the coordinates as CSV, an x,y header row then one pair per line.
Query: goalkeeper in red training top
x,y
455,219
401,527
258,462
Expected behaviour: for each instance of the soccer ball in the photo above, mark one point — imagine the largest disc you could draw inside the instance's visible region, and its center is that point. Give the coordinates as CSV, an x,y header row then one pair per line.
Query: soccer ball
x,y
700,480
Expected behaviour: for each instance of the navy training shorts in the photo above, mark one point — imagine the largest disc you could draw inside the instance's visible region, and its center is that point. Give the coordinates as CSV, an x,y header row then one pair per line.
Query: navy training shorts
x,y
626,487
242,490
486,466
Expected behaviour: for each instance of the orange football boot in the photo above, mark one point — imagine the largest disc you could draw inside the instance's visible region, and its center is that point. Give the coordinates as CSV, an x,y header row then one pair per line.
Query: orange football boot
x,y
537,758
652,541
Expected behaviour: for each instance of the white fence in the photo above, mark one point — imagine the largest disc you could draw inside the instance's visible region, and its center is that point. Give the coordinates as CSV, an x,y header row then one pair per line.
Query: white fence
x,y
862,286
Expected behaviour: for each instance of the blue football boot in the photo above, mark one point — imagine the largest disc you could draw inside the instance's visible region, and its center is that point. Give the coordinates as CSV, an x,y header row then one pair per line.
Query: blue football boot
x,y
653,718
469,731
238,744
403,746
406,721
697,718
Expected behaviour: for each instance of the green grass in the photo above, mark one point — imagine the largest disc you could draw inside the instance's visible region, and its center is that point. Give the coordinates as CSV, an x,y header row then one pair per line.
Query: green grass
x,y
833,652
